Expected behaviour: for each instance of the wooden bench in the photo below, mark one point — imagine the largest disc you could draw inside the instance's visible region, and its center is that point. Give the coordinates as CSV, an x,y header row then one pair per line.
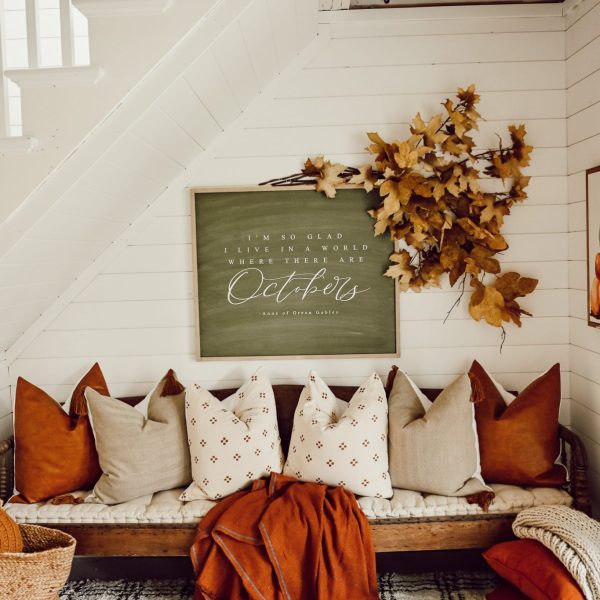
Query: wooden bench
x,y
389,535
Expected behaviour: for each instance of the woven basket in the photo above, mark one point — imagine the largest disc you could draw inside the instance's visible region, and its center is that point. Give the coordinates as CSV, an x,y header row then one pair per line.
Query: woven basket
x,y
41,570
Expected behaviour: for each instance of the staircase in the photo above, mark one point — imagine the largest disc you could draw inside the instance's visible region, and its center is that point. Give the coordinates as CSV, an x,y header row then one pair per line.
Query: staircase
x,y
65,88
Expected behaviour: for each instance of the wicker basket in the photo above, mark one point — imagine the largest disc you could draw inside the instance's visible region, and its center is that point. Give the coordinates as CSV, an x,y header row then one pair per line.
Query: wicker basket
x,y
42,569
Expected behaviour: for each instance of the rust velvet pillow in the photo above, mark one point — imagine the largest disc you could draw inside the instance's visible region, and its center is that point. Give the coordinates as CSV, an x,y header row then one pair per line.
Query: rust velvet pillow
x,y
533,569
55,453
518,437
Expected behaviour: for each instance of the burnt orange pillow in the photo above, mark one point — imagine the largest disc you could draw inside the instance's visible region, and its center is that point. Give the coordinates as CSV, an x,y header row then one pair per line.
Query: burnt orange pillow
x,y
55,453
533,569
519,442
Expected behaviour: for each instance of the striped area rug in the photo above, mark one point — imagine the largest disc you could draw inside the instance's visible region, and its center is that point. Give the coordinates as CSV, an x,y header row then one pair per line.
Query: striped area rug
x,y
392,586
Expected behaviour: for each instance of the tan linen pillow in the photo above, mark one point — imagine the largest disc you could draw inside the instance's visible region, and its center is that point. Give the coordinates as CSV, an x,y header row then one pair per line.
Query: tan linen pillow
x,y
433,447
140,454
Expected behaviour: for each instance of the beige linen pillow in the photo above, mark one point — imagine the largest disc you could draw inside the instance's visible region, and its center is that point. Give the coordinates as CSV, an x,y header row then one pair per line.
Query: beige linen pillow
x,y
433,446
342,443
140,454
234,441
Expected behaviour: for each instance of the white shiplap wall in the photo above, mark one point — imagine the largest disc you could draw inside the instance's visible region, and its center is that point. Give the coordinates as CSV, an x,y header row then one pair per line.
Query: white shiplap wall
x,y
583,131
370,70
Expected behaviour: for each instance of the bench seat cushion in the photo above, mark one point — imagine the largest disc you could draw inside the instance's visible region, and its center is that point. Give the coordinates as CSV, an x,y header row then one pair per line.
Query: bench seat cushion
x,y
166,508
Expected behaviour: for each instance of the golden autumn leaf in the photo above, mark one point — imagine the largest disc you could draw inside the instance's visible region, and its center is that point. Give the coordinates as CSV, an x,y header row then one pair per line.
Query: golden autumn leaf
x,y
486,303
327,175
365,177
403,271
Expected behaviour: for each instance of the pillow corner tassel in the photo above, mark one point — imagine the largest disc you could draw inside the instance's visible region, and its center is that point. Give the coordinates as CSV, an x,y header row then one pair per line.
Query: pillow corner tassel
x,y
477,393
172,387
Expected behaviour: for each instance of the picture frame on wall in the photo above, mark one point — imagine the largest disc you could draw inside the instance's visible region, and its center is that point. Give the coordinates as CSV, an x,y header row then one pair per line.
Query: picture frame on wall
x,y
593,245
283,273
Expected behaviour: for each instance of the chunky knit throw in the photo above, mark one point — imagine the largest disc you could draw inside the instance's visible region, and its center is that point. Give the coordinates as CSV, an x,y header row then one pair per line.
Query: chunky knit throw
x,y
572,536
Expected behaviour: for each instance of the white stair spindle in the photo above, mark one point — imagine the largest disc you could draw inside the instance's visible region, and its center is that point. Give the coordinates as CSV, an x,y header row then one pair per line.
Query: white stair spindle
x,y
66,33
32,34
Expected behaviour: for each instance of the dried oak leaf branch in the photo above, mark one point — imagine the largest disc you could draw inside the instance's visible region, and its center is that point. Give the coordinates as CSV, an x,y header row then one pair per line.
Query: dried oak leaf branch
x,y
446,201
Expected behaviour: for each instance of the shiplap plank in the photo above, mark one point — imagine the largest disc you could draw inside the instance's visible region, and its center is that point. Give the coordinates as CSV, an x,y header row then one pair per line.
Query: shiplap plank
x,y
404,50
545,162
577,245
584,93
584,155
358,110
575,10
512,381
578,305
582,335
141,157
427,361
152,259
577,216
117,179
587,393
578,274
42,292
138,286
583,62
89,202
427,27
584,124
586,363
583,32
350,138
423,79
231,54
51,274
177,338
588,422
160,131
258,35
187,110
285,31
31,252
208,82
576,187
65,226
5,402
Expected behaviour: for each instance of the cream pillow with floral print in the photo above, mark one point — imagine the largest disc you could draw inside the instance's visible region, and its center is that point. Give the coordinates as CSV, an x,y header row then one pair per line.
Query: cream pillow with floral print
x,y
233,441
342,443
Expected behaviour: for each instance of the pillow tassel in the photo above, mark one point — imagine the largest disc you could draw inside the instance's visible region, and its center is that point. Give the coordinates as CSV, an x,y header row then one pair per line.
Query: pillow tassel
x,y
66,499
78,407
390,379
483,499
172,387
477,393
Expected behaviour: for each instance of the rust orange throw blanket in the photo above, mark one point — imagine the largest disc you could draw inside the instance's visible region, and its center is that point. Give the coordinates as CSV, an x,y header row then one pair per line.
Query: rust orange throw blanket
x,y
285,540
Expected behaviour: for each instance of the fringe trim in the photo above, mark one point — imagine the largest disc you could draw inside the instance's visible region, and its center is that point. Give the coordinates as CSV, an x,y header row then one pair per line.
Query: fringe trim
x,y
390,379
66,499
483,499
477,393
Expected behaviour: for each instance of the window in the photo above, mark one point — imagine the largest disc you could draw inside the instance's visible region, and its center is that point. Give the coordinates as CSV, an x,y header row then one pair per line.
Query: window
x,y
49,45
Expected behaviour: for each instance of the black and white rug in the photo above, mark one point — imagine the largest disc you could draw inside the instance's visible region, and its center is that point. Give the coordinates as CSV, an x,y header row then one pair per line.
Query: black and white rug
x,y
392,586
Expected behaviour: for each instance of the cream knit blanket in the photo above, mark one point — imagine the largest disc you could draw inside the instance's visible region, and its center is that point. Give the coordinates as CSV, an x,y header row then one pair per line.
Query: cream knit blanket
x,y
572,536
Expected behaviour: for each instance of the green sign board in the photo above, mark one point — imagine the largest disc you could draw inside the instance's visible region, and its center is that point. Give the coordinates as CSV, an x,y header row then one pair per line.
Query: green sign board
x,y
288,272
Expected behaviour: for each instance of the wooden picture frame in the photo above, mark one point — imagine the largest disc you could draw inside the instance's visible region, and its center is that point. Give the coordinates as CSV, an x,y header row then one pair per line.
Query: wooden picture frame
x,y
222,217
592,192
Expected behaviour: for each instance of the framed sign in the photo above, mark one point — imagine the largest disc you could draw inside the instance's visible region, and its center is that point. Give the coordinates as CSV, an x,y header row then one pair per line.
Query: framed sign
x,y
286,272
593,245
